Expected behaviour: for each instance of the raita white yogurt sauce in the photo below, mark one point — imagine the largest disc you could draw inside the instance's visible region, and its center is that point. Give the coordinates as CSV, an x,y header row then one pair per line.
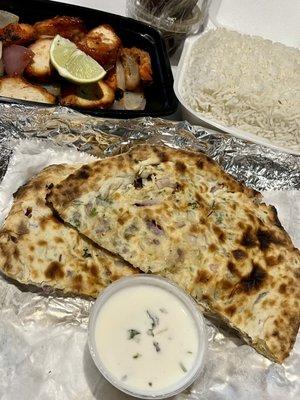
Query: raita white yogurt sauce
x,y
147,338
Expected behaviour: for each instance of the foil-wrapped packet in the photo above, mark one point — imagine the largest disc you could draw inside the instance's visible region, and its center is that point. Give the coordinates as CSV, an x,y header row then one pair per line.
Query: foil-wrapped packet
x,y
43,336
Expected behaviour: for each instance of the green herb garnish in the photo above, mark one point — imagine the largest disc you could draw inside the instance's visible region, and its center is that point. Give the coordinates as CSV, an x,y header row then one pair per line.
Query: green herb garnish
x,y
193,205
77,202
190,352
157,347
76,222
163,310
212,208
219,218
93,212
154,319
154,323
102,200
182,367
130,231
132,333
137,355
86,253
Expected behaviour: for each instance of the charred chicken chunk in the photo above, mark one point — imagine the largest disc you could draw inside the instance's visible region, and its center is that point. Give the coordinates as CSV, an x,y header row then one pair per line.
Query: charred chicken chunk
x,y
71,28
40,68
90,97
137,67
144,62
19,88
102,44
17,34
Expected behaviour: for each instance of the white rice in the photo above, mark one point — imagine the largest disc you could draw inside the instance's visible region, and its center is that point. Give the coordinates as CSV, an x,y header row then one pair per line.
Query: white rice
x,y
247,82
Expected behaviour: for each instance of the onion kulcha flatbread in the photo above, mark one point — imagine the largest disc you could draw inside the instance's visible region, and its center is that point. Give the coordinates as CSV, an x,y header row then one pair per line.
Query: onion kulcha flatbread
x,y
177,213
37,248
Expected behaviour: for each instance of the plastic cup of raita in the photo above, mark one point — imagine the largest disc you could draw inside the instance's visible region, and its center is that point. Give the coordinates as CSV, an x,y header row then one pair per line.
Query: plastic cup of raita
x,y
147,337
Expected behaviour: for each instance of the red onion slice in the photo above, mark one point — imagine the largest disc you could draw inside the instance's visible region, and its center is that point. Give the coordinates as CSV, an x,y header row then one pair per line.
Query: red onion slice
x,y
153,226
15,59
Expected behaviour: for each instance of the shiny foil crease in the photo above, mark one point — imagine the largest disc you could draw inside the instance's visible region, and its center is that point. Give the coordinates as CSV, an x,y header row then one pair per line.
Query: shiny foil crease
x,y
43,350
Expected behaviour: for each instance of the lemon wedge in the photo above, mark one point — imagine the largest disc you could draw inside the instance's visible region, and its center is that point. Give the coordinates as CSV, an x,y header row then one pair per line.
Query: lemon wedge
x,y
73,64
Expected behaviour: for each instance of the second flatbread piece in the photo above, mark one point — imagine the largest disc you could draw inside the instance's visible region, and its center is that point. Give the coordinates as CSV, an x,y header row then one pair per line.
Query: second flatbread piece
x,y
37,248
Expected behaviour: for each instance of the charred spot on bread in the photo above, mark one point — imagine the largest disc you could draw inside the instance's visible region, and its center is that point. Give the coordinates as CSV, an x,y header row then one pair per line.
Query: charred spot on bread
x,y
212,248
266,238
271,261
178,187
203,276
206,297
180,167
297,273
194,229
28,212
54,271
220,234
162,155
199,198
241,225
22,229
94,270
124,217
7,265
230,310
16,253
239,254
248,239
180,253
13,239
77,282
138,182
42,243
225,285
83,174
254,280
282,288
199,164
44,221
232,268
251,217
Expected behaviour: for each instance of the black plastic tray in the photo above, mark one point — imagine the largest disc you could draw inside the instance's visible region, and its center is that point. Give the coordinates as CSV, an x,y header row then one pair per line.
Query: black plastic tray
x,y
161,99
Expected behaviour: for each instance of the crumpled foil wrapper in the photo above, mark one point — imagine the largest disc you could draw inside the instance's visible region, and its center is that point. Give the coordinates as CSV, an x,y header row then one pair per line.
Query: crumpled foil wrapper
x,y
43,336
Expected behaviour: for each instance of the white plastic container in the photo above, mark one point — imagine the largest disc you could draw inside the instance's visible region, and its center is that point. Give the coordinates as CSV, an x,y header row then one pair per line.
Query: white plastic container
x,y
276,20
189,305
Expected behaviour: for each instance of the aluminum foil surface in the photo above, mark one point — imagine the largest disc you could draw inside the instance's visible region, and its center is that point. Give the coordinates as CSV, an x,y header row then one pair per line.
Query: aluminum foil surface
x,y
43,336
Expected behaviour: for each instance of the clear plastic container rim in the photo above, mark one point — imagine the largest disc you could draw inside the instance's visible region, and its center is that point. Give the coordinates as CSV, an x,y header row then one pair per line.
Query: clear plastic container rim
x,y
189,303
137,11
